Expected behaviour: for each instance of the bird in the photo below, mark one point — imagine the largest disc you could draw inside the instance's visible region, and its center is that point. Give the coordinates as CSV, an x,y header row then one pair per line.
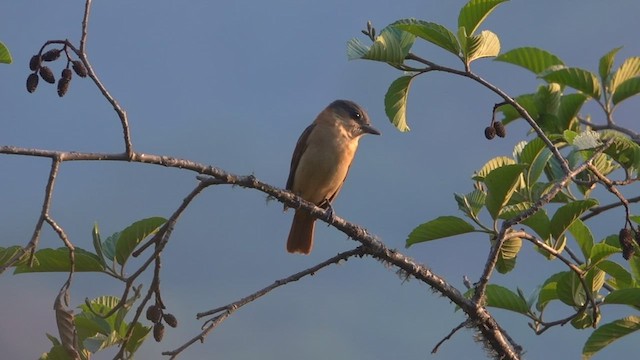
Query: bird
x,y
321,162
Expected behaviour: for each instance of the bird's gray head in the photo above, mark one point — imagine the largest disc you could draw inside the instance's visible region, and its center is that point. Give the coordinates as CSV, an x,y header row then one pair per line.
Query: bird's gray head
x,y
349,110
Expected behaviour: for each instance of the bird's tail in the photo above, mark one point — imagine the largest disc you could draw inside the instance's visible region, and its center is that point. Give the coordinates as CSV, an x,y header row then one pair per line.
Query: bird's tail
x,y
301,234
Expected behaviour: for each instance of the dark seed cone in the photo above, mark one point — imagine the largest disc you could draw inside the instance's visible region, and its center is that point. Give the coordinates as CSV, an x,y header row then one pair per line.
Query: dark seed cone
x,y
170,320
32,82
626,243
34,63
79,68
489,132
63,86
51,55
158,332
47,75
500,129
154,314
66,74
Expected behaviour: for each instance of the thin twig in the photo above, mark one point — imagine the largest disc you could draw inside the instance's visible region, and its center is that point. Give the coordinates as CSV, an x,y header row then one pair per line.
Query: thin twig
x,y
455,329
229,309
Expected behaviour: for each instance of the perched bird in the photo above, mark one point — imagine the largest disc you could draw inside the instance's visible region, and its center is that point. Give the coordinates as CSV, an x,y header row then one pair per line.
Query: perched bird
x,y
320,164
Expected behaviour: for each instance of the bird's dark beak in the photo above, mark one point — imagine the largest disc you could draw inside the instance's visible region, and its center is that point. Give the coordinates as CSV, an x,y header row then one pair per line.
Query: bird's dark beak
x,y
368,129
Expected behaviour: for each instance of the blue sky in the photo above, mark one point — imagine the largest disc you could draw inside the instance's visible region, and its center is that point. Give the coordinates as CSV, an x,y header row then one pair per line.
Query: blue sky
x,y
233,84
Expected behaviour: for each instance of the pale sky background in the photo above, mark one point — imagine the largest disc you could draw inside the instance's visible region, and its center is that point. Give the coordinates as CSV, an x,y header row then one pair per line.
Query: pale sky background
x,y
233,84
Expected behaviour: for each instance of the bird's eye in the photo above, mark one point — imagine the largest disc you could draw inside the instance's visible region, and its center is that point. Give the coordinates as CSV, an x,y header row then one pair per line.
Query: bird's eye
x,y
356,115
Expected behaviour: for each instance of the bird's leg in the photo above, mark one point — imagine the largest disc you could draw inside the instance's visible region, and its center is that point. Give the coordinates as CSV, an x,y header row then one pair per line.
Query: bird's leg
x,y
328,214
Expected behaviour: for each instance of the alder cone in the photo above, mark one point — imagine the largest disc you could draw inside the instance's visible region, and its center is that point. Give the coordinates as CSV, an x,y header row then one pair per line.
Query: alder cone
x,y
500,129
63,86
489,132
51,55
154,314
32,82
79,68
626,243
170,320
47,75
34,63
158,332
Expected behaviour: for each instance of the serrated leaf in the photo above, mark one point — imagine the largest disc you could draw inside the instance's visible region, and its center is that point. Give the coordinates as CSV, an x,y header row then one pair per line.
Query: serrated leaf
x,y
533,59
530,151
7,254
579,79
131,236
570,105
527,101
537,167
491,165
441,227
548,291
5,55
138,335
507,255
395,102
501,183
431,32
570,290
606,63
625,90
538,222
391,46
485,44
503,298
548,99
474,12
608,333
582,234
623,150
567,214
621,278
624,297
601,251
472,203
630,68
57,260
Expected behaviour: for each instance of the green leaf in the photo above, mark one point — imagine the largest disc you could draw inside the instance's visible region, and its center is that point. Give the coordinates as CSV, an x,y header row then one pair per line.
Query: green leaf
x,y
570,290
567,214
395,102
503,298
507,255
527,101
623,150
608,333
621,278
582,234
7,254
630,68
501,183
5,55
131,236
109,246
485,44
548,291
530,151
431,32
533,59
538,222
391,46
138,335
626,90
579,79
57,260
570,105
97,244
472,203
537,167
624,297
441,227
601,251
548,99
606,63
474,12
491,165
